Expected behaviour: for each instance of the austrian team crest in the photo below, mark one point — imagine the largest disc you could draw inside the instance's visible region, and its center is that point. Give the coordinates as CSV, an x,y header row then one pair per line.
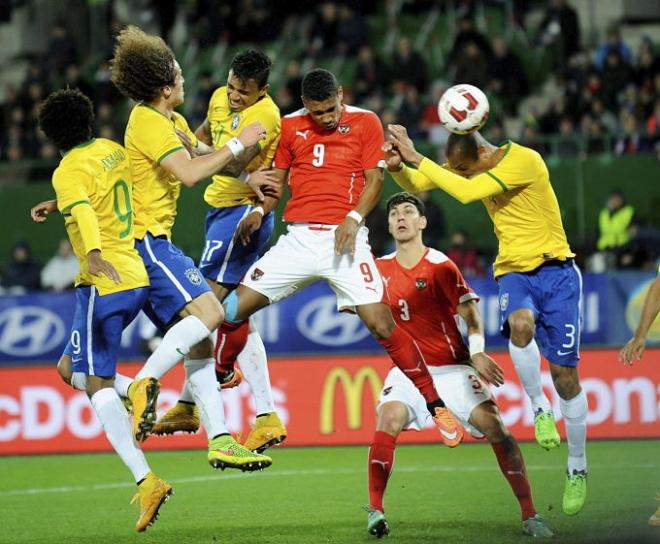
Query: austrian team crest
x,y
193,276
344,129
257,273
420,283
235,121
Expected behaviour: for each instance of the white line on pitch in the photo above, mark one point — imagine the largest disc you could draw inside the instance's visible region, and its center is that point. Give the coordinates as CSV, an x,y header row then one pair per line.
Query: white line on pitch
x,y
287,473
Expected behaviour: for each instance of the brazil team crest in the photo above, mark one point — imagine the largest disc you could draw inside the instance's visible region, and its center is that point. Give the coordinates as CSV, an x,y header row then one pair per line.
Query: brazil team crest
x,y
504,301
420,283
193,276
235,121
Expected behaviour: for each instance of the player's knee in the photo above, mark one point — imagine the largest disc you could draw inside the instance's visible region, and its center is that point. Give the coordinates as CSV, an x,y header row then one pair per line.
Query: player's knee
x,y
566,384
380,326
391,420
201,350
522,330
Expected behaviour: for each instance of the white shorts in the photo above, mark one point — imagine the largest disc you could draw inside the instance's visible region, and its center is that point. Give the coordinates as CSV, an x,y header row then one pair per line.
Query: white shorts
x,y
305,254
458,386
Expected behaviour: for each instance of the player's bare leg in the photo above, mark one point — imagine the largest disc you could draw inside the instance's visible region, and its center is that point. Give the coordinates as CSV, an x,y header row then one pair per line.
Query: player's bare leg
x,y
392,418
527,361
574,408
405,354
486,419
152,491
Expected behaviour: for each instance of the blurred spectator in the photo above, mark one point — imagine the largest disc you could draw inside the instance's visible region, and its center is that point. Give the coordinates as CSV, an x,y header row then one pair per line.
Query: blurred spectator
x,y
629,140
409,112
613,222
74,80
642,249
371,74
435,230
61,270
560,27
507,76
323,35
471,66
567,146
648,65
430,123
615,76
351,32
466,35
408,67
464,255
22,273
613,43
379,238
61,50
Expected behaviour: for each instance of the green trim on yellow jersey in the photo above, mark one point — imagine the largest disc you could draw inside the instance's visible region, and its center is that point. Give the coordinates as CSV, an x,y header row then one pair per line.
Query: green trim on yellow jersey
x,y
508,143
154,109
84,144
70,206
499,181
160,159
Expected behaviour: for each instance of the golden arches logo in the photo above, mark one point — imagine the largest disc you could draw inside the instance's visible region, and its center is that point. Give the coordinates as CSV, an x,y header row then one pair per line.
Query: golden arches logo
x,y
353,389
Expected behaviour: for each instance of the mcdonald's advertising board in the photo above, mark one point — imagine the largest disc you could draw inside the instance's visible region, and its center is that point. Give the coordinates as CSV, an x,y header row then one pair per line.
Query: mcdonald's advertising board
x,y
323,401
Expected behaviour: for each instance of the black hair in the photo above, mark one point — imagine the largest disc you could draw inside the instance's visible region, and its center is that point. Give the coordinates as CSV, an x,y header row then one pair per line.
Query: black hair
x,y
67,118
252,64
400,198
319,85
464,144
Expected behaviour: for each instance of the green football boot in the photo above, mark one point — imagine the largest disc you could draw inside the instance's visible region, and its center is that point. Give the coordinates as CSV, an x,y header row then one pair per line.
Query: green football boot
x,y
537,527
575,492
545,430
376,523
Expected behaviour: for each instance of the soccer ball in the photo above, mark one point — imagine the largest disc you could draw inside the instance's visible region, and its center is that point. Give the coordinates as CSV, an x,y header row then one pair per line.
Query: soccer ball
x,y
463,109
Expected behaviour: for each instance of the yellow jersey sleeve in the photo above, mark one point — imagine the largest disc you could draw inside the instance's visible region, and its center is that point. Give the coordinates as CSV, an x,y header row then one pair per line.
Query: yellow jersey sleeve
x,y
230,189
93,189
150,137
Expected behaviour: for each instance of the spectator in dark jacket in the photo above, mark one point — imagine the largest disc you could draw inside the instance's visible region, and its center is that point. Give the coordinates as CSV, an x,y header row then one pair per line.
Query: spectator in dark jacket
x,y
22,273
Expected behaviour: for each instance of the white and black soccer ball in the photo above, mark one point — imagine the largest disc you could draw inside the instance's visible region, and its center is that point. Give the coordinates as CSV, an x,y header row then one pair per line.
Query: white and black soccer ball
x,y
463,109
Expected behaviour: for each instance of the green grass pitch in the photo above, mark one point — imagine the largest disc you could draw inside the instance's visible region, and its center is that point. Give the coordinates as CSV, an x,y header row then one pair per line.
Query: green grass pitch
x,y
313,495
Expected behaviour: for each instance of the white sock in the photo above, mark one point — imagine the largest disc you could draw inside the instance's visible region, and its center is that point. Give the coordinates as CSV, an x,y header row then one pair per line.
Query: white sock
x,y
575,417
527,361
200,374
118,429
175,345
121,384
254,366
186,393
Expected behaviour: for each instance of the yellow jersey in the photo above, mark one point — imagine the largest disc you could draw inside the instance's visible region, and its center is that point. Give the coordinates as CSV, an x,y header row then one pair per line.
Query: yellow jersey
x,y
93,187
224,124
519,198
150,137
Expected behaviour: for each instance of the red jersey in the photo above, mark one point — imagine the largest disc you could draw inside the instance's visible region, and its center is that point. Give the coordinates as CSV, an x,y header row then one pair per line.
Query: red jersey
x,y
326,168
424,299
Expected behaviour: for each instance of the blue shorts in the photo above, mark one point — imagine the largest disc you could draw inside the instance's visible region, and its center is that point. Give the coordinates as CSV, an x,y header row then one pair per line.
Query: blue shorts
x,y
174,279
98,322
226,260
553,292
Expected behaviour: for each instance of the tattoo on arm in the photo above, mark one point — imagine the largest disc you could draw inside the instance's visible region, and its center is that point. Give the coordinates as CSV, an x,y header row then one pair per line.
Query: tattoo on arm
x,y
238,164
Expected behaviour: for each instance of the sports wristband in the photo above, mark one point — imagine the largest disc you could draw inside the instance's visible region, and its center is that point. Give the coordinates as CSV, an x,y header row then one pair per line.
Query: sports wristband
x,y
235,146
353,214
258,209
477,343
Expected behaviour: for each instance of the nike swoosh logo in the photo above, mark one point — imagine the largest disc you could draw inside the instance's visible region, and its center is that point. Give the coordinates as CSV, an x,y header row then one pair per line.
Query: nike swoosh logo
x,y
449,436
560,353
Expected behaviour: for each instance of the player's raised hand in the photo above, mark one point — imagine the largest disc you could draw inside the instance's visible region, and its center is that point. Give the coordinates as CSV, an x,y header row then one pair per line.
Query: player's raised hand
x,y
632,351
345,235
393,158
488,369
187,143
403,144
251,134
39,213
98,266
264,183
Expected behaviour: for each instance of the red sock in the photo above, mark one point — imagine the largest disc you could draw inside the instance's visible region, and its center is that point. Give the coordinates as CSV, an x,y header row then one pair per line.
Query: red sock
x,y
405,354
381,461
229,343
512,466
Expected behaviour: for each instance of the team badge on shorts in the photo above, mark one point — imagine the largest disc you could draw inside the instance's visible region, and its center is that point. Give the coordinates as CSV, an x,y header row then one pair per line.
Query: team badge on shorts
x,y
235,121
193,276
420,283
344,129
387,390
504,301
257,273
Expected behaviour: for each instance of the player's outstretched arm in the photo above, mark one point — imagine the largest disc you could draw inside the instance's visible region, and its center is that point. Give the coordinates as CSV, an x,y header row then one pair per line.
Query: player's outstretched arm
x,y
634,348
487,368
39,213
191,171
346,232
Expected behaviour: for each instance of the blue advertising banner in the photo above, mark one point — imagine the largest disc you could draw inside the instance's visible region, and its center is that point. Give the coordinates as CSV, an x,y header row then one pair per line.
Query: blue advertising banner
x,y
35,328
